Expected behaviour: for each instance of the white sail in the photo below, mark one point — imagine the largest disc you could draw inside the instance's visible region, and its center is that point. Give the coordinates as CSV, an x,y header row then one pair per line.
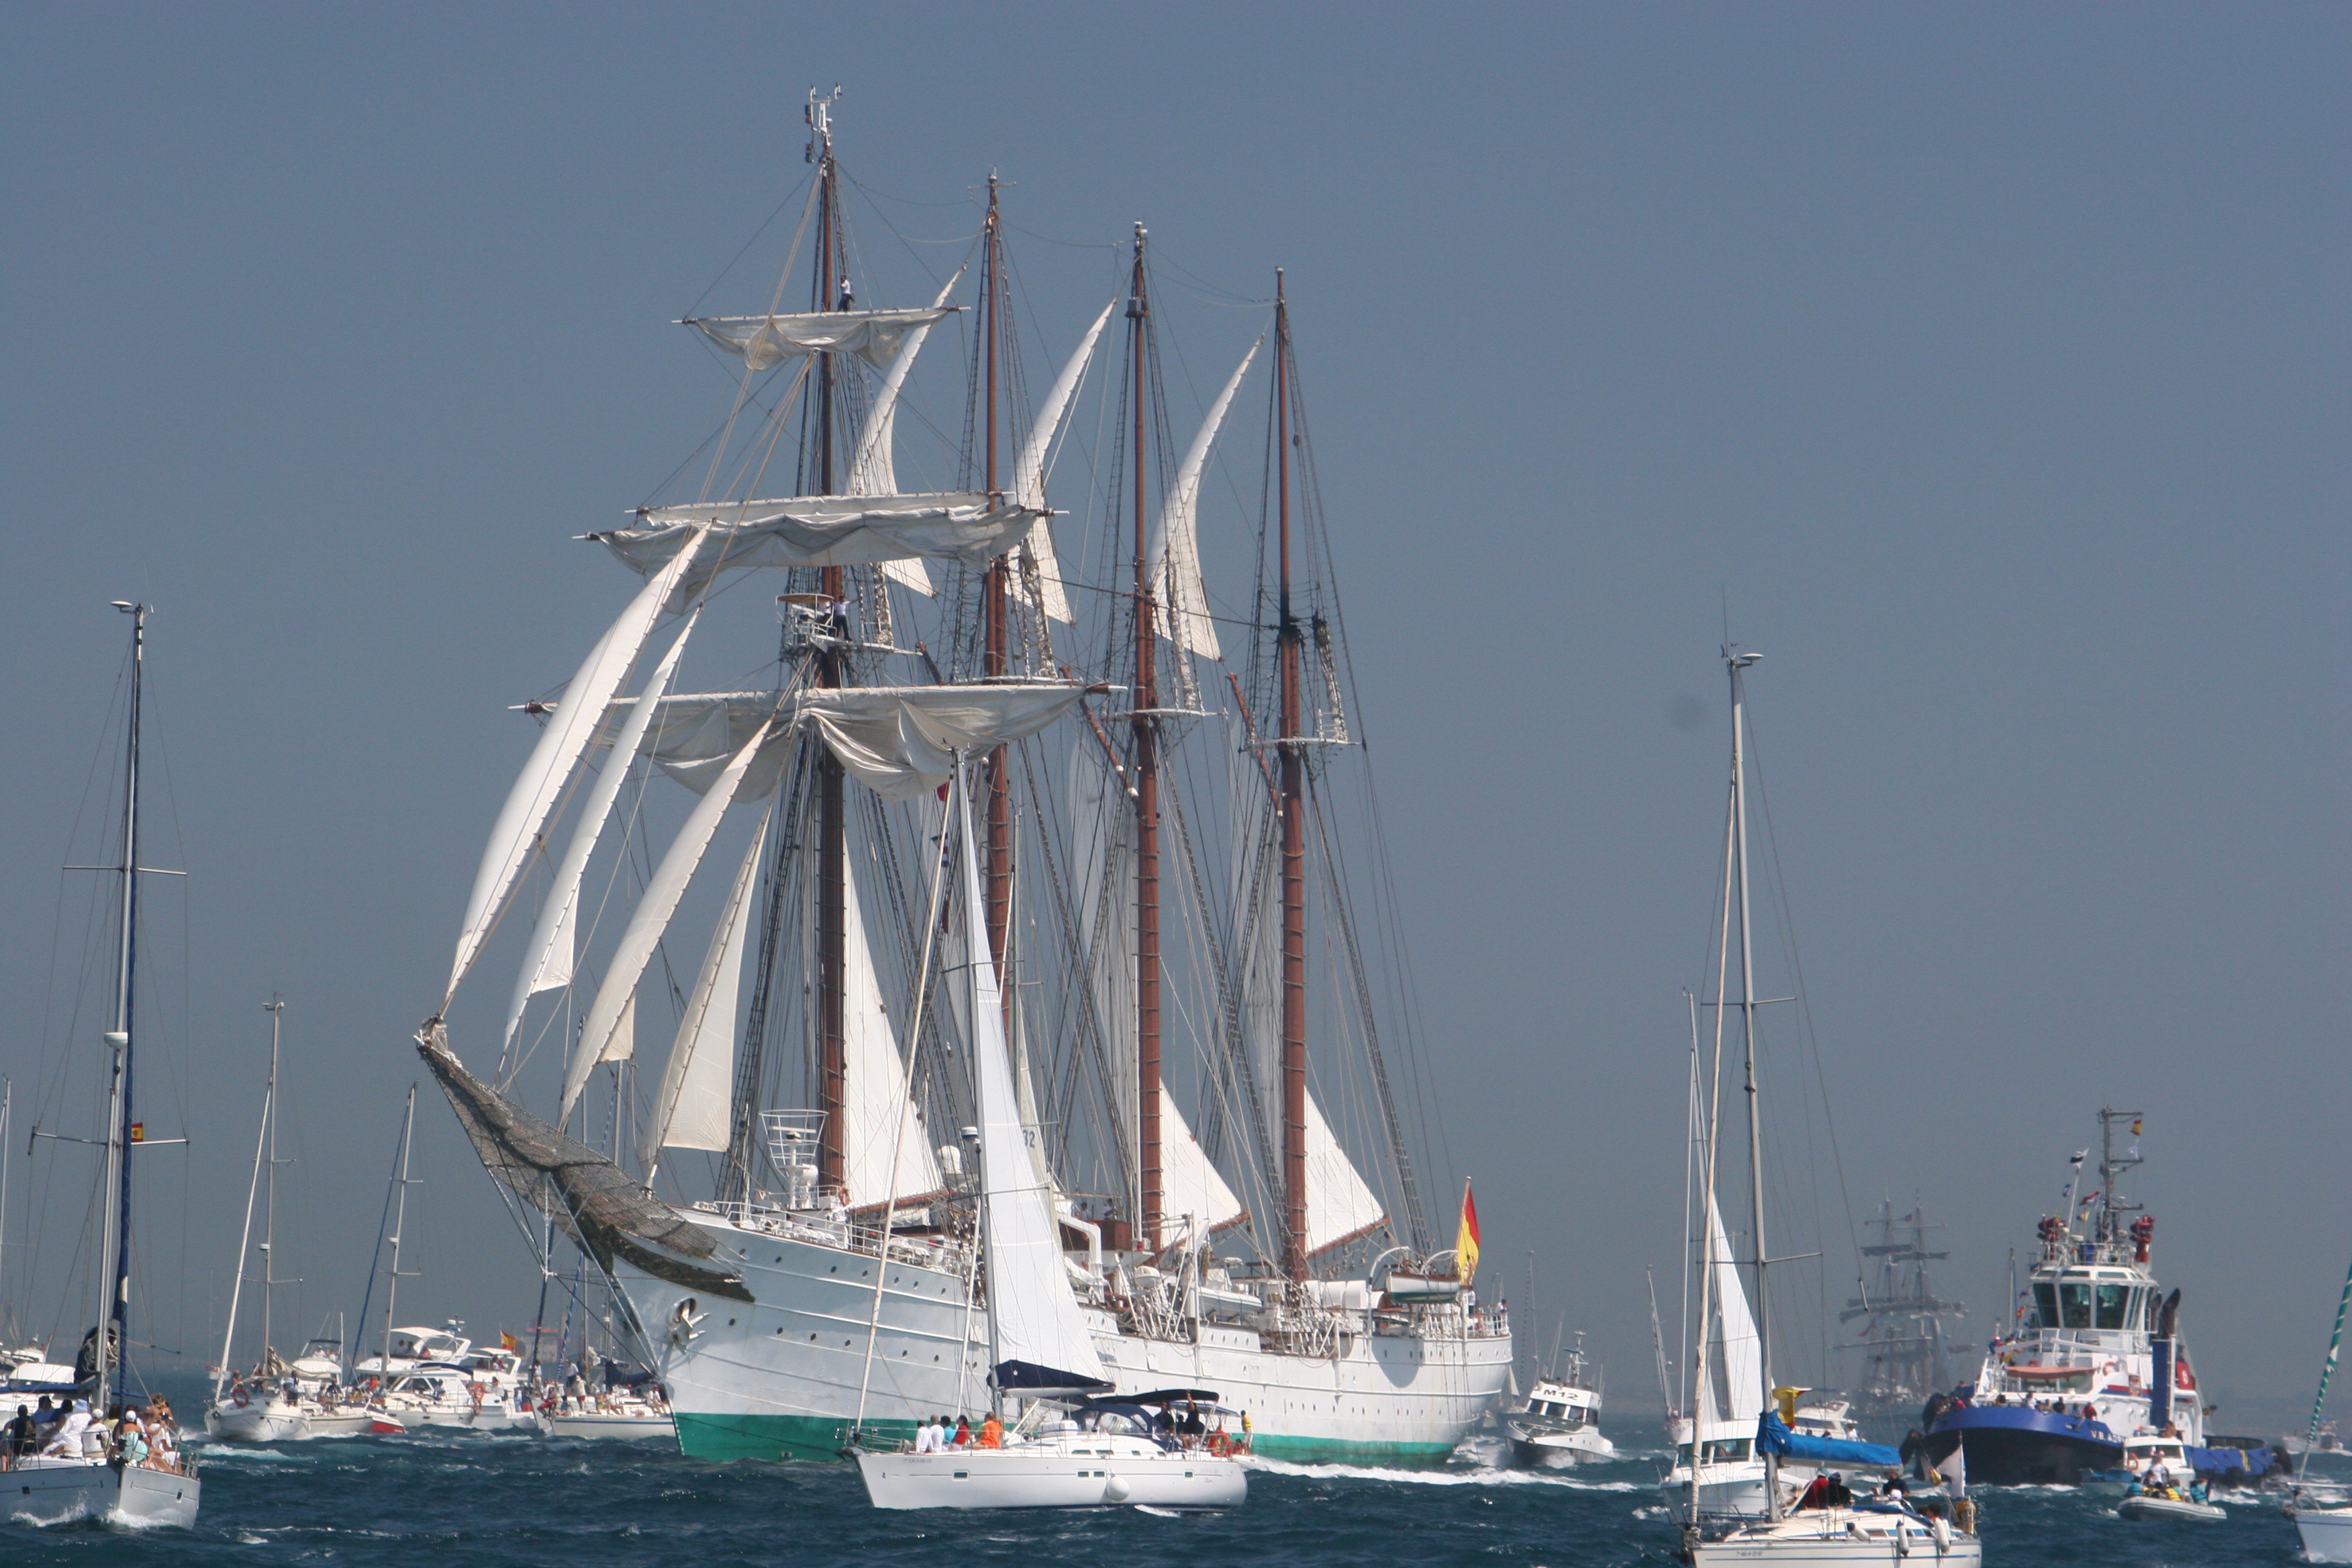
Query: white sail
x,y
766,341
873,471
879,1117
1029,470
1176,544
651,918
1102,875
1731,1337
1189,1184
1039,1336
543,776
548,960
691,1106
819,531
622,1043
1340,1205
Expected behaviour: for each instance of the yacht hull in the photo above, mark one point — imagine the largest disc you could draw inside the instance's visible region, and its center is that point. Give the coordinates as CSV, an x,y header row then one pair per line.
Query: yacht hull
x,y
635,1428
2326,1533
1015,1477
1839,1538
229,1422
1541,1449
55,1491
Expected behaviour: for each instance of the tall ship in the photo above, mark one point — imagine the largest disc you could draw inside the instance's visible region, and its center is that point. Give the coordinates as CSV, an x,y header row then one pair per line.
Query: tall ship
x,y
1900,1342
2096,1355
1167,794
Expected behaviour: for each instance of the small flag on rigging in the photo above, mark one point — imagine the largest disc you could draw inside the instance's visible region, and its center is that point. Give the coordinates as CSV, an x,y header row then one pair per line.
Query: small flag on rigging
x,y
139,1132
1465,1240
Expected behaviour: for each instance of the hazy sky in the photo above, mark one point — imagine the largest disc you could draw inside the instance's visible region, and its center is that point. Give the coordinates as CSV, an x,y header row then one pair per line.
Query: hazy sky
x,y
1988,363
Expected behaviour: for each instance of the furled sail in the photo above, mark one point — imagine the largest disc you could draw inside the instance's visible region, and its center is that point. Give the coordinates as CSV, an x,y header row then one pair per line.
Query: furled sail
x,y
766,341
651,918
547,961
819,531
1731,1339
691,1106
1029,470
561,744
880,1117
1040,1337
1176,544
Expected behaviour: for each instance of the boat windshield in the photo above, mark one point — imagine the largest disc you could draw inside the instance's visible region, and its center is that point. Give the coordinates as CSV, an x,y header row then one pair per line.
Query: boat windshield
x,y
2045,1304
2112,1300
2074,1306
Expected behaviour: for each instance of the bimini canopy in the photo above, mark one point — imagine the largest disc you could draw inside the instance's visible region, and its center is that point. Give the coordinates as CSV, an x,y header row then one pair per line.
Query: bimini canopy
x,y
766,341
818,531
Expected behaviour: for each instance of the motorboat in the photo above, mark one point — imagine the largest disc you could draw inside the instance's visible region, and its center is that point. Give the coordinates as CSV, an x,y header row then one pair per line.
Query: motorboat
x,y
1561,1422
2145,1454
2152,1507
1092,1457
439,1395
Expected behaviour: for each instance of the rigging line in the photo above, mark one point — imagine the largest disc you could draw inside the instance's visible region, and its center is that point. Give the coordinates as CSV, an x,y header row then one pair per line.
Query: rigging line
x,y
744,389
748,243
1804,1003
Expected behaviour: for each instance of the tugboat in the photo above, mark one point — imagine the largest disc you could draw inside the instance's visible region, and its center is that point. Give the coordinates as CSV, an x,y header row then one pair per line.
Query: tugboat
x,y
1561,1422
2095,1359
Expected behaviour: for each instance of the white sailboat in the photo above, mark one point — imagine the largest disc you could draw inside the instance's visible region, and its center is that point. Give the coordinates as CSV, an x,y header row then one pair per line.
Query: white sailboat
x,y
95,1483
828,1281
1040,1343
1833,1532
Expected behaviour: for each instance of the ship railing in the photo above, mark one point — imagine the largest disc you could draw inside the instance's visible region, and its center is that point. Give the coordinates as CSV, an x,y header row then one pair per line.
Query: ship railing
x,y
823,1229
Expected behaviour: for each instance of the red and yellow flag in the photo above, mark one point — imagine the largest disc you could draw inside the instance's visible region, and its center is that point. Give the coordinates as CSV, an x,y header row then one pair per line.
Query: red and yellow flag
x,y
508,1342
1465,1240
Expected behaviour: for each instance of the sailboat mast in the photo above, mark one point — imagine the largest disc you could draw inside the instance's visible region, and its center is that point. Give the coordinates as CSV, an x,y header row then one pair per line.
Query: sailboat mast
x,y
995,608
276,1008
1146,796
832,853
399,1224
1737,663
114,1313
1293,830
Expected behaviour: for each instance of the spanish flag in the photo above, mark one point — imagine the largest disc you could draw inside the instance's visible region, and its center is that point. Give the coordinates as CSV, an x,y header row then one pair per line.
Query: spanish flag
x,y
508,1342
1465,1240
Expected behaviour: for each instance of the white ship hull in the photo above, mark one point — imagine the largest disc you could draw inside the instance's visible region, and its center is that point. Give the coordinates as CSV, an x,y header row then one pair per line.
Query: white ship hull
x,y
55,1491
1557,1449
779,1376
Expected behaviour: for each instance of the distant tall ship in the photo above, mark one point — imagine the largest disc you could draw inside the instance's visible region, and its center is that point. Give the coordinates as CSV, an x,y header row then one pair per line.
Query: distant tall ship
x,y
1197,1022
1904,1357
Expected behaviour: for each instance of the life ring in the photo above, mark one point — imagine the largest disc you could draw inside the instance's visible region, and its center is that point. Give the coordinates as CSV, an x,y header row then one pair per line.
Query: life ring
x,y
242,1398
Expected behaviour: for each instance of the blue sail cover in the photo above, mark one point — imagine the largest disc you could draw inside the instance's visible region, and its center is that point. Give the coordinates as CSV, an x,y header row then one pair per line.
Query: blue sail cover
x,y
1773,1438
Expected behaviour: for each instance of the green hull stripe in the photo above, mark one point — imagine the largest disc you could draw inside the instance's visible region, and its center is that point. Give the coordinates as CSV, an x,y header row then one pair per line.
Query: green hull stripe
x,y
774,1436
819,1437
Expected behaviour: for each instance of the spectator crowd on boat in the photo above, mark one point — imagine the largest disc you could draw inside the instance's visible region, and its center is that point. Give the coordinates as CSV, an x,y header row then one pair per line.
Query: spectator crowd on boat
x,y
147,1436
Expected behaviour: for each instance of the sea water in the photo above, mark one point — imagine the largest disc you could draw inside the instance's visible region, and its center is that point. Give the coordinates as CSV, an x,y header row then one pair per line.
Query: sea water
x,y
458,1500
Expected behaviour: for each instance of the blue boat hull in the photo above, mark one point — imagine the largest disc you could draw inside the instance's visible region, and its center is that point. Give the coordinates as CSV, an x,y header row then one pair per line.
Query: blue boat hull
x,y
2011,1446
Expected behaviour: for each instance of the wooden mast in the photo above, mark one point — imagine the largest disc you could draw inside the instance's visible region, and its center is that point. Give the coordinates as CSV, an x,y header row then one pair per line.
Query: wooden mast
x,y
1293,831
833,1096
995,609
1146,798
